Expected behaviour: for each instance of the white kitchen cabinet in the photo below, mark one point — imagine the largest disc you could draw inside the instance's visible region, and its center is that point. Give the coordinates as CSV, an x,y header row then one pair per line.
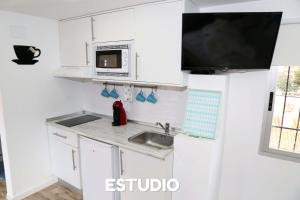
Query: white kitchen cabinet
x,y
114,26
158,42
97,164
64,160
140,166
75,42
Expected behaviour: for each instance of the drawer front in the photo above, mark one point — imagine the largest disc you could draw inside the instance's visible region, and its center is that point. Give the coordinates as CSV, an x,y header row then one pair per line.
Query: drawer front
x,y
63,136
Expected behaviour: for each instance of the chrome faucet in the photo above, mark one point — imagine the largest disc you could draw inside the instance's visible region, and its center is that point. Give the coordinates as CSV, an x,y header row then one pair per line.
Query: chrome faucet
x,y
166,127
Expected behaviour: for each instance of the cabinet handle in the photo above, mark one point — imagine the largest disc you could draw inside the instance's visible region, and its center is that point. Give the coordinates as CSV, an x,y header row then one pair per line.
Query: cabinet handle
x,y
86,53
61,136
136,65
270,105
121,158
73,159
92,26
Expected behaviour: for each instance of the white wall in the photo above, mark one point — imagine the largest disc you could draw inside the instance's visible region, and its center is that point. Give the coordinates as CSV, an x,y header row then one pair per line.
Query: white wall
x,y
290,8
30,94
169,108
198,161
247,175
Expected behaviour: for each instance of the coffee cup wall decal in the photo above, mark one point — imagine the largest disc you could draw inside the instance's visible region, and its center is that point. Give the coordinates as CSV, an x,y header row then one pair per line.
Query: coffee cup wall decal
x,y
26,54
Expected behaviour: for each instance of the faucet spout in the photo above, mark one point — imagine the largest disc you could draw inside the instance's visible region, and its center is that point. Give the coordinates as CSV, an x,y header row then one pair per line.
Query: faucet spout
x,y
166,127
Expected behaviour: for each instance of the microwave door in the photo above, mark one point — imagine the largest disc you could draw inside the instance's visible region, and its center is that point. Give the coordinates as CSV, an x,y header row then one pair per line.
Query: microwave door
x,y
109,59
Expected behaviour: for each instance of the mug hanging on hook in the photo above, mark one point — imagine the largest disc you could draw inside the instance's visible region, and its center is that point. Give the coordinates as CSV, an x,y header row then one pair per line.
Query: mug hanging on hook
x,y
105,92
151,98
114,93
140,96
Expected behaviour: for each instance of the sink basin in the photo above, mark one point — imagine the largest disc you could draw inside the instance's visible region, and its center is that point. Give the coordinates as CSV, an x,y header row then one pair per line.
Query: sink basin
x,y
153,139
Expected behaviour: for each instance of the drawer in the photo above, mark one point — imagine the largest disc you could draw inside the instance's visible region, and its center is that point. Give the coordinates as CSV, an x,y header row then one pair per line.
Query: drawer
x,y
63,136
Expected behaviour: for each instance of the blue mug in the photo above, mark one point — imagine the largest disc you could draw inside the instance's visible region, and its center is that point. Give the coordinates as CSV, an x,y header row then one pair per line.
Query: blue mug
x,y
151,98
140,97
105,93
114,94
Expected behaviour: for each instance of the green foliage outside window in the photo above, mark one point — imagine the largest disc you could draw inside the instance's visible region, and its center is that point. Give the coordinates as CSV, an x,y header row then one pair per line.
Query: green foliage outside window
x,y
296,79
282,83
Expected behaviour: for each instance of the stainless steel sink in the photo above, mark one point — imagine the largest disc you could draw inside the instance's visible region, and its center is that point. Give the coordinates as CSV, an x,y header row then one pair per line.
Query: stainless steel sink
x,y
153,139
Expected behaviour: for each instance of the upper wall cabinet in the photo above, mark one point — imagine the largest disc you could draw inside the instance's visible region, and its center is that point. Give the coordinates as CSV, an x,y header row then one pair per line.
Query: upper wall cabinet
x,y
155,29
158,42
113,26
75,42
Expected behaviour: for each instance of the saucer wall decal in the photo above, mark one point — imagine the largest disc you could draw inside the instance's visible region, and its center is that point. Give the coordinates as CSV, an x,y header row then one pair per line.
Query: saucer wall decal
x,y
25,62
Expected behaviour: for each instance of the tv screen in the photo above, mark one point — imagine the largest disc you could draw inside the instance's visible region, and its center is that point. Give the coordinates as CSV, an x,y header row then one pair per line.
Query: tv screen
x,y
229,40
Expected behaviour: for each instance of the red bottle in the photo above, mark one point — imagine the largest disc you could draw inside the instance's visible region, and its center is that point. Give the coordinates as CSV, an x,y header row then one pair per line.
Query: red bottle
x,y
119,114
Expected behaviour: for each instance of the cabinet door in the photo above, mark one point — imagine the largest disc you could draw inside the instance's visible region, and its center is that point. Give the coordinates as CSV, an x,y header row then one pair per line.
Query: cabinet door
x,y
75,42
139,166
158,42
96,167
65,162
114,26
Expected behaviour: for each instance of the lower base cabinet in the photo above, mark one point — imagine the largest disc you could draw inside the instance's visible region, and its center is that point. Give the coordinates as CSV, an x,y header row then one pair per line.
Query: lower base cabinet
x,y
140,166
98,161
88,165
65,162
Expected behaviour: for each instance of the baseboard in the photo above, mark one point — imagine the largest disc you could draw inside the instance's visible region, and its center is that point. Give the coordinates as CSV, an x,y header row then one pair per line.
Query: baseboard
x,y
69,186
33,190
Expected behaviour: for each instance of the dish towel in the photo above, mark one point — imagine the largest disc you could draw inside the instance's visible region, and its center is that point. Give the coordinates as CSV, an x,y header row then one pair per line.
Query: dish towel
x,y
202,113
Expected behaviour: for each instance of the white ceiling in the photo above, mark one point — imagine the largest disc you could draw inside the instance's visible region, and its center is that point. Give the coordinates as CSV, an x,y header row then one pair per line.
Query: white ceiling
x,y
206,3
60,9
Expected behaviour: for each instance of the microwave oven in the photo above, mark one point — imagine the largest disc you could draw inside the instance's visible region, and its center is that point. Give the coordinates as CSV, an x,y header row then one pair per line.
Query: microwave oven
x,y
113,57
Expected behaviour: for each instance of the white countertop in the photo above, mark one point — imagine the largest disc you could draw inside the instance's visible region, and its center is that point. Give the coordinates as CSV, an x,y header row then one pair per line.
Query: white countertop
x,y
102,130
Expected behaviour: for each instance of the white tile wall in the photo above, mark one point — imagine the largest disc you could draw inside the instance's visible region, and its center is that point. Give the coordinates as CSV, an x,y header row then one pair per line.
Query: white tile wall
x,y
169,108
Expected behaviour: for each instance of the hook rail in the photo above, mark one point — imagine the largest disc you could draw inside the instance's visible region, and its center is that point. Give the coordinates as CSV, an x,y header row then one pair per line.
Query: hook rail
x,y
136,86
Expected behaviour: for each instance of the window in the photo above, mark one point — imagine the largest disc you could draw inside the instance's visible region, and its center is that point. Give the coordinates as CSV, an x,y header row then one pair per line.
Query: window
x,y
283,113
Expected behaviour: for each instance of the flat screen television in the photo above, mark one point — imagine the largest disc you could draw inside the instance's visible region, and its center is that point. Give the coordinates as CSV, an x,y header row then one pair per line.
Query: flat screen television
x,y
222,41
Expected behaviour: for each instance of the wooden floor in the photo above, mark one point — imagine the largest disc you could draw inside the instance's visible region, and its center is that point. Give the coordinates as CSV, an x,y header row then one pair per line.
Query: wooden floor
x,y
54,192
2,190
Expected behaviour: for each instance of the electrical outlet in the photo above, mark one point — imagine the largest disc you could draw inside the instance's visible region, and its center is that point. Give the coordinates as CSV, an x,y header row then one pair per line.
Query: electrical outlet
x,y
128,93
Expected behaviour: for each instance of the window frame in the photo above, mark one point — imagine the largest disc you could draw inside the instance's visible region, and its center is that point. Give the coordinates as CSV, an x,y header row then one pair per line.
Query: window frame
x,y
267,122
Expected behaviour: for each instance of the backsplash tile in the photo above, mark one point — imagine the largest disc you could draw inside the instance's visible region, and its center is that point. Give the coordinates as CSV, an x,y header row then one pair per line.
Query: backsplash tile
x,y
169,108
